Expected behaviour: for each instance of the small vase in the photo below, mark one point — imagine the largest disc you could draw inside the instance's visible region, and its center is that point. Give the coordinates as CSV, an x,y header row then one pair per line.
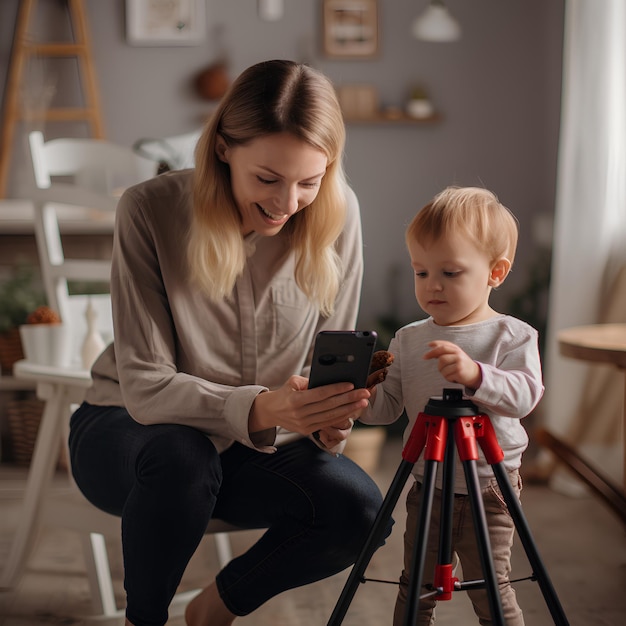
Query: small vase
x,y
93,343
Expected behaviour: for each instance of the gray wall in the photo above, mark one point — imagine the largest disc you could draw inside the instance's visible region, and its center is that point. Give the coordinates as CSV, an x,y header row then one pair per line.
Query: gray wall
x,y
498,89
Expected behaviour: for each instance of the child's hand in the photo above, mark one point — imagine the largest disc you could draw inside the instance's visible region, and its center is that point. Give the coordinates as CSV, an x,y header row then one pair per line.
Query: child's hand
x,y
454,364
381,361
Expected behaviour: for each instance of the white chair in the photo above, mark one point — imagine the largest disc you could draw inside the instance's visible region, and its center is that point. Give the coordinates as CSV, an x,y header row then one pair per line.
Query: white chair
x,y
77,179
63,388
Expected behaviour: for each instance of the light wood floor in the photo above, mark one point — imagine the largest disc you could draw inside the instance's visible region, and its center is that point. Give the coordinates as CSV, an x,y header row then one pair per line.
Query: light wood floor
x,y
582,544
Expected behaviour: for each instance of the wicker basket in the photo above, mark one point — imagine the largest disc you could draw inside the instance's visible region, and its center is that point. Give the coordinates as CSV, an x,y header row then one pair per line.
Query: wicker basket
x,y
24,419
10,350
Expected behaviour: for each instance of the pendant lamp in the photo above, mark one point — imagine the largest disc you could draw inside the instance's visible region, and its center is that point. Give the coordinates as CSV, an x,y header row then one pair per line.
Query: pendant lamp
x,y
436,24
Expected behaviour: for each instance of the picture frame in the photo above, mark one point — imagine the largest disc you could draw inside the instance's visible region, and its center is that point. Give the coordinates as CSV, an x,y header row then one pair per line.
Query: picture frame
x,y
350,28
165,22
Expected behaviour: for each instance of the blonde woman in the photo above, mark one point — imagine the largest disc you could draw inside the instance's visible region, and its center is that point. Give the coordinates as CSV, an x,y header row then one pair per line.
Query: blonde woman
x,y
222,277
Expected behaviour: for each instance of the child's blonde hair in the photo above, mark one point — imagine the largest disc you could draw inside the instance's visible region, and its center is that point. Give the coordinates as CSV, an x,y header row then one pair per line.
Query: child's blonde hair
x,y
471,211
271,97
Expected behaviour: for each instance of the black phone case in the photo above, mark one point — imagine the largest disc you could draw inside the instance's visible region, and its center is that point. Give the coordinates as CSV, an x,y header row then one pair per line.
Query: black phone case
x,y
342,356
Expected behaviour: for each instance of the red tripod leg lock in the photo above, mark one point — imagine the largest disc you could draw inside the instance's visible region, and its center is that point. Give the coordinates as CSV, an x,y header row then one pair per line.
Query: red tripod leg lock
x,y
487,439
465,437
445,581
430,432
477,428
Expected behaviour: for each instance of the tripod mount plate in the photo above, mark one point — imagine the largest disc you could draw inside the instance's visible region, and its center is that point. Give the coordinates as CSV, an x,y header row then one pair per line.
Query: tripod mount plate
x,y
451,404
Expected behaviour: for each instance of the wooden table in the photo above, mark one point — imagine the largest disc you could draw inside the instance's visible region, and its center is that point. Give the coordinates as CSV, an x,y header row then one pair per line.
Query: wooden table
x,y
596,343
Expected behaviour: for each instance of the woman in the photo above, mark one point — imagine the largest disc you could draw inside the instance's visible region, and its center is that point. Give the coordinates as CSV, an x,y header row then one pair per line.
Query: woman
x,y
221,279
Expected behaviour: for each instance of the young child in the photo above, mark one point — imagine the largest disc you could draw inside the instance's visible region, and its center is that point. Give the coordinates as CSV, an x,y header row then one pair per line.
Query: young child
x,y
462,246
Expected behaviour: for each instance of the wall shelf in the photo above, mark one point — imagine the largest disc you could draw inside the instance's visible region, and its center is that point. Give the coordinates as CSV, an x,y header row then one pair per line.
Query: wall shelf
x,y
402,119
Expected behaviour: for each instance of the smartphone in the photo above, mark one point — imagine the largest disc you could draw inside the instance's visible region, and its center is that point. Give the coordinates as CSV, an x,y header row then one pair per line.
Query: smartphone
x,y
342,356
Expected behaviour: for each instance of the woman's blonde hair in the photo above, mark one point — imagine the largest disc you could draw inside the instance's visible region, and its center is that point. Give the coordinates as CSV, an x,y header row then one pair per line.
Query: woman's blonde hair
x,y
267,98
471,211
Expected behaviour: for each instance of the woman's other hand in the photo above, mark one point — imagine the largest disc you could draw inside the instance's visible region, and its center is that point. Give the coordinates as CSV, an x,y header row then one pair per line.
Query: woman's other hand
x,y
332,436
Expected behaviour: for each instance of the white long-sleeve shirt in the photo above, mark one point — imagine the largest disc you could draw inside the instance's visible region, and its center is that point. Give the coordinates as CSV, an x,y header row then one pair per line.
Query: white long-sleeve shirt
x,y
180,358
505,348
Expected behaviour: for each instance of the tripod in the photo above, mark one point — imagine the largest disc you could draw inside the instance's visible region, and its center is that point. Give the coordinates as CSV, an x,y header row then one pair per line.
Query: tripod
x,y
430,432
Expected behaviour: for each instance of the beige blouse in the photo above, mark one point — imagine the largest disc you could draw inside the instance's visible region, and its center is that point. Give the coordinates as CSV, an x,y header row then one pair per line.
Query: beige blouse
x,y
179,357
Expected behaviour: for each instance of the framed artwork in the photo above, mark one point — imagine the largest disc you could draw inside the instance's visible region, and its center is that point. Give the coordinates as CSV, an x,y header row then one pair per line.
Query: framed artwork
x,y
165,22
350,28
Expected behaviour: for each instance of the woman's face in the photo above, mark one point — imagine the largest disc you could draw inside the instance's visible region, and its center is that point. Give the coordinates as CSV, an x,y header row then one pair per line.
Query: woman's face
x,y
273,177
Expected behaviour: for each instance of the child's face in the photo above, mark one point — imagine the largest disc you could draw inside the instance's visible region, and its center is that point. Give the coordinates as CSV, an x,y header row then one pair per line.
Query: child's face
x,y
453,280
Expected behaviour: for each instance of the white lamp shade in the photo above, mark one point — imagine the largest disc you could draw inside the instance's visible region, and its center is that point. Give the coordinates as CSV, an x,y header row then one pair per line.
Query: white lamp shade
x,y
436,24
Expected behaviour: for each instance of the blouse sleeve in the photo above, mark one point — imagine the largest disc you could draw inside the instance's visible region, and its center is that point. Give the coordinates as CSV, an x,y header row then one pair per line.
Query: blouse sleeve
x,y
152,388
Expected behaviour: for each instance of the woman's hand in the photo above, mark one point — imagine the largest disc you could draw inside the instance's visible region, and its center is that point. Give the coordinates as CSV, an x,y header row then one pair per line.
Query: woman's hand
x,y
332,436
301,410
454,364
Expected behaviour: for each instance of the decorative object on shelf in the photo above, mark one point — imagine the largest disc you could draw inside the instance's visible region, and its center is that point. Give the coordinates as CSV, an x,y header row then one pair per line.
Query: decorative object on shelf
x,y
165,22
419,105
350,28
212,82
436,24
358,101
393,112
93,344
19,295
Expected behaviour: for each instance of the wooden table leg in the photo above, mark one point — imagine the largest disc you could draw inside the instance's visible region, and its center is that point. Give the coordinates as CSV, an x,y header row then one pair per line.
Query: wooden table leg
x,y
612,494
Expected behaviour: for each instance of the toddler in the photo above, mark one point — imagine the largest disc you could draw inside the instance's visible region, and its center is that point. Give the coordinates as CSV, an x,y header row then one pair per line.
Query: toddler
x,y
462,246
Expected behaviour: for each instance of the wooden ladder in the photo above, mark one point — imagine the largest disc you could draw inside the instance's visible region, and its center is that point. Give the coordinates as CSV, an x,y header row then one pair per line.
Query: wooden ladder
x,y
23,49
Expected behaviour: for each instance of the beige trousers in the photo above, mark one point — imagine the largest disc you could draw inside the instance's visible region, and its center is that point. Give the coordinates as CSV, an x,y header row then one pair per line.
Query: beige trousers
x,y
501,531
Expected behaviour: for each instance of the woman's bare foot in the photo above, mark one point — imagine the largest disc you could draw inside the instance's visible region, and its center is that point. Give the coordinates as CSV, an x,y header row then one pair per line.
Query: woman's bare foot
x,y
207,609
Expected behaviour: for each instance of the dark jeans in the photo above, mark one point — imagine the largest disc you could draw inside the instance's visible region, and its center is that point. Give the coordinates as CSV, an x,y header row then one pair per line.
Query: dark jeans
x,y
166,481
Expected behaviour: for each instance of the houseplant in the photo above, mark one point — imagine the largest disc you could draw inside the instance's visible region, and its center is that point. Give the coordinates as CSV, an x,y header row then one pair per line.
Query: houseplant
x,y
20,294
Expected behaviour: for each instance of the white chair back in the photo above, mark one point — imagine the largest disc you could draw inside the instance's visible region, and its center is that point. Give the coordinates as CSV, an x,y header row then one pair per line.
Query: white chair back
x,y
94,164
93,173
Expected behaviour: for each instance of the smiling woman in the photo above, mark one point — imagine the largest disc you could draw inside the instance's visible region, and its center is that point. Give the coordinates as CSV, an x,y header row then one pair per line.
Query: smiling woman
x,y
273,177
213,348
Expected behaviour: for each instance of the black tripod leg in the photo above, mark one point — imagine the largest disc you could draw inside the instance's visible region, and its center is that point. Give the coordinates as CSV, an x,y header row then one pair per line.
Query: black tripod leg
x,y
523,530
371,544
484,544
421,543
447,505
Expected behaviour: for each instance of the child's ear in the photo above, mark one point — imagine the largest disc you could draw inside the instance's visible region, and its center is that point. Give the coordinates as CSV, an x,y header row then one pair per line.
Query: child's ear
x,y
499,271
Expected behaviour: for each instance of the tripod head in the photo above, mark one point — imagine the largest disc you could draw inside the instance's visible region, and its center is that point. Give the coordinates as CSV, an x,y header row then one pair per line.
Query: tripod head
x,y
451,404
